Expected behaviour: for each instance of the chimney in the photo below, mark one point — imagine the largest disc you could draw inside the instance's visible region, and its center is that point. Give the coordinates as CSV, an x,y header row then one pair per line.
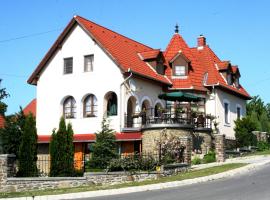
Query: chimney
x,y
201,41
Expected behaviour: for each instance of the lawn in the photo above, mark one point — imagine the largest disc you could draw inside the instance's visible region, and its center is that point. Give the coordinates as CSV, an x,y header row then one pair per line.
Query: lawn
x,y
179,177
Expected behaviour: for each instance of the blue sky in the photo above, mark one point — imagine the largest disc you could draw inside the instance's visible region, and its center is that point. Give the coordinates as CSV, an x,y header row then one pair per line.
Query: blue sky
x,y
238,31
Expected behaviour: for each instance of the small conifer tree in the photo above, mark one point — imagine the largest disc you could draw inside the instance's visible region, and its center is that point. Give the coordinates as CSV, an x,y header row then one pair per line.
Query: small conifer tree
x,y
62,151
104,150
28,149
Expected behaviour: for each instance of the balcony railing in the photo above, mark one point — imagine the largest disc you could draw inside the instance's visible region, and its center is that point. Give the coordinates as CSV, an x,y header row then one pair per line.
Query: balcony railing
x,y
150,118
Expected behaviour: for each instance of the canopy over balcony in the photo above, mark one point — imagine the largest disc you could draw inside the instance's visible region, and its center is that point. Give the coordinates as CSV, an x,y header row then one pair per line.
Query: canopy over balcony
x,y
179,96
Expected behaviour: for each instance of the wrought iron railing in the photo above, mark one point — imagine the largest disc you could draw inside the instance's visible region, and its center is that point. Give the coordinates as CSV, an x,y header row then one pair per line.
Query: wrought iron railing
x,y
167,116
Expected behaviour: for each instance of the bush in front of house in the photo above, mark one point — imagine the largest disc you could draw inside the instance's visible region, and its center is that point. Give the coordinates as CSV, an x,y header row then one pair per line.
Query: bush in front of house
x,y
262,146
104,150
133,163
28,149
196,160
209,157
243,132
62,151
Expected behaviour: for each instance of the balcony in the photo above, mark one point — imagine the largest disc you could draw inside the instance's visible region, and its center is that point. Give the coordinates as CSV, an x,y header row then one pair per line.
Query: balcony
x,y
168,118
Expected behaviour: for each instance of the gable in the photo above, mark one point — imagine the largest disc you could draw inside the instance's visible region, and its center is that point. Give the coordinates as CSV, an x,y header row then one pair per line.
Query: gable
x,y
122,50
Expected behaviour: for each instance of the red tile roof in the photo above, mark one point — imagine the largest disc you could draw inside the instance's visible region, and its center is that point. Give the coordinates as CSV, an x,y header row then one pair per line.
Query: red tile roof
x,y
2,121
31,108
210,61
129,55
150,54
91,137
194,79
123,51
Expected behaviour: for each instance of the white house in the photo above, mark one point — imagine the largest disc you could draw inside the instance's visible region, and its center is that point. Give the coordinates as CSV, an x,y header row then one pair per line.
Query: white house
x,y
92,72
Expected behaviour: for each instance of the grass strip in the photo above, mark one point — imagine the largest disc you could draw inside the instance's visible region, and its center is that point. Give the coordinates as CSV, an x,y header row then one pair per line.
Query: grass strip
x,y
179,177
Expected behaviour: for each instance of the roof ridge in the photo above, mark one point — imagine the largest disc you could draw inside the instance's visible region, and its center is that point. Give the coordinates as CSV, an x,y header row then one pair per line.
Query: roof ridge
x,y
113,31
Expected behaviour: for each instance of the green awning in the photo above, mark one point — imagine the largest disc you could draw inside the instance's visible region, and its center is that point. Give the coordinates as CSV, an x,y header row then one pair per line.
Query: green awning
x,y
179,96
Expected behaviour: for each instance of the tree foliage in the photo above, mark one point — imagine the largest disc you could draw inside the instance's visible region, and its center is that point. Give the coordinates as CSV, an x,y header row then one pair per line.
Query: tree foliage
x,y
62,150
243,132
3,94
104,150
259,112
28,149
12,132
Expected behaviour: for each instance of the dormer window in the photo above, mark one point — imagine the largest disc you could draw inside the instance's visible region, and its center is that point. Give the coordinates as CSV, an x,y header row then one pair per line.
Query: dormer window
x,y
180,70
229,79
160,67
237,84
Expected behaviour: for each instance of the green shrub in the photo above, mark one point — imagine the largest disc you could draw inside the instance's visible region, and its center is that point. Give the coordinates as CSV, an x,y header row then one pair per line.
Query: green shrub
x,y
133,163
262,146
243,132
196,161
209,157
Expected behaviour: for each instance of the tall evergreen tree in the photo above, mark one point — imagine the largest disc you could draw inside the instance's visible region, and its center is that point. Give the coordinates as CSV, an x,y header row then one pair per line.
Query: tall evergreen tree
x,y
104,150
61,151
53,155
28,149
70,150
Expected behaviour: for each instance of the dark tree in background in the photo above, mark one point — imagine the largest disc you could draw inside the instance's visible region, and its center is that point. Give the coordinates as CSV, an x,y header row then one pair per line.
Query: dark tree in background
x,y
28,149
3,94
104,150
12,132
62,151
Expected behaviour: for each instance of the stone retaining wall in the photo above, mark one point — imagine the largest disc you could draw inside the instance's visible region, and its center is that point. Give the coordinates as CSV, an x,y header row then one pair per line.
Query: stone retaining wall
x,y
10,184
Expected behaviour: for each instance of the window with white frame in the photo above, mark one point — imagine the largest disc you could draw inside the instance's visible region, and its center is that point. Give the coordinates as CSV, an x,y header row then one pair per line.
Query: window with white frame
x,y
69,107
88,63
238,112
226,112
90,106
68,65
180,71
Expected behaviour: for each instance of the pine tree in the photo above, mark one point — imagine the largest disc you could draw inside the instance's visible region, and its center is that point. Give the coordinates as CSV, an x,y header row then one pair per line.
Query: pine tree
x,y
70,151
28,149
53,155
62,151
104,150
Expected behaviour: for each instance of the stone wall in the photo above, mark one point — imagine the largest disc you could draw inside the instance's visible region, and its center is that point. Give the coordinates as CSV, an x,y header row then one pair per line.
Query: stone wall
x,y
220,147
150,137
261,136
11,184
202,142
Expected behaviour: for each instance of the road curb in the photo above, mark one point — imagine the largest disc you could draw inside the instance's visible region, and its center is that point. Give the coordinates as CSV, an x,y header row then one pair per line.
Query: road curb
x,y
143,188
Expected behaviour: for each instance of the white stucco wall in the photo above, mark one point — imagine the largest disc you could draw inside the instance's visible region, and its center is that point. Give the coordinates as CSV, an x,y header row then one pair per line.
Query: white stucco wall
x,y
215,106
53,86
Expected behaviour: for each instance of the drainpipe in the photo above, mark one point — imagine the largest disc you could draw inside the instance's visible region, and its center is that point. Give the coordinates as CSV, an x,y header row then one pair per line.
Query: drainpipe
x,y
121,95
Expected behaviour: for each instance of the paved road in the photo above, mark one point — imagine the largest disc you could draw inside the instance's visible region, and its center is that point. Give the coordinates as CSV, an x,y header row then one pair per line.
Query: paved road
x,y
253,185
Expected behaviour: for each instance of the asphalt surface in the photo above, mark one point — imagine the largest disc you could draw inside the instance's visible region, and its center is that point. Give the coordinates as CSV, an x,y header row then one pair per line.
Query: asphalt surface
x,y
252,185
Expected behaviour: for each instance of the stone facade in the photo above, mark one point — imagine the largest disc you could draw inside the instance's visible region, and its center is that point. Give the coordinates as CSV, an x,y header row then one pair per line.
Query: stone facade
x,y
202,142
150,137
220,147
261,136
186,141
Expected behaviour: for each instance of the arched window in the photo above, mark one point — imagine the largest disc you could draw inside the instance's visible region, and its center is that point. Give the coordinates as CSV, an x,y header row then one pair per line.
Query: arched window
x,y
90,106
112,104
69,107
